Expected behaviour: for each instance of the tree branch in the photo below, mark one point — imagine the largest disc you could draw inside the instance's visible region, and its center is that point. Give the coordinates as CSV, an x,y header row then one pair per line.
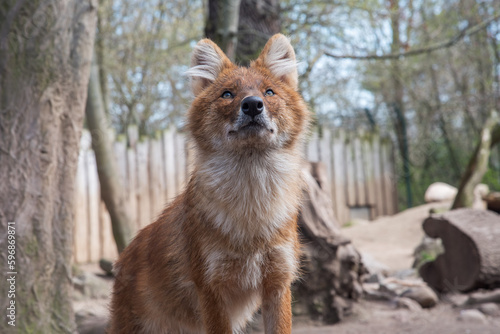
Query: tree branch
x,y
426,49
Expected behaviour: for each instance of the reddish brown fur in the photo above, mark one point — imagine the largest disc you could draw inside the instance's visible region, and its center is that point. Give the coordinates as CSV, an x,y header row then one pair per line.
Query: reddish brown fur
x,y
229,242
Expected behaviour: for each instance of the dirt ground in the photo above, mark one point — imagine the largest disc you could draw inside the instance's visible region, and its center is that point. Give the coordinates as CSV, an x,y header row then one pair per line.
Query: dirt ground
x,y
390,241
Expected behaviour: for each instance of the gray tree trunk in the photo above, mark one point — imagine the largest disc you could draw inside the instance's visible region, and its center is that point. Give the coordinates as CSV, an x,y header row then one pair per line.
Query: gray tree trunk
x,y
471,257
259,20
112,192
222,24
45,53
478,164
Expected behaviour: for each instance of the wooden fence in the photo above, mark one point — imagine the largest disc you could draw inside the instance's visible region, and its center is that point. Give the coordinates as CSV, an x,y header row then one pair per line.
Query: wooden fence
x,y
154,170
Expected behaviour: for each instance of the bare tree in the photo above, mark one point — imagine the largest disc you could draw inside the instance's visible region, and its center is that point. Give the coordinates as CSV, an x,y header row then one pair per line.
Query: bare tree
x,y
45,53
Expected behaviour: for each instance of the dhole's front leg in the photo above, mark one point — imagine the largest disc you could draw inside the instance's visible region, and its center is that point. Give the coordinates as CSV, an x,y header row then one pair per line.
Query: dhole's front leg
x,y
215,318
277,308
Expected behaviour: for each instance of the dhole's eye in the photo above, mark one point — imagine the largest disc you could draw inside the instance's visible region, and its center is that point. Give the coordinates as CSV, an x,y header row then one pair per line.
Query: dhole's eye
x,y
269,92
227,95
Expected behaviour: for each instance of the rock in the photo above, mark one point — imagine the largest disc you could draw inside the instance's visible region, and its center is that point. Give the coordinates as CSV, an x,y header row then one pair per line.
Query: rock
x,y
456,299
92,285
490,309
410,304
472,316
88,323
107,266
375,278
423,295
440,192
409,273
373,266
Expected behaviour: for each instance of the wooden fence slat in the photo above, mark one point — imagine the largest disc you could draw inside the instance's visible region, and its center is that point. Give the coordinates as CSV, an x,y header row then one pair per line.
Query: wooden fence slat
x,y
339,176
94,200
120,152
377,174
143,204
312,152
386,179
155,179
389,184
350,171
359,174
368,156
81,235
190,152
325,151
180,153
170,175
132,200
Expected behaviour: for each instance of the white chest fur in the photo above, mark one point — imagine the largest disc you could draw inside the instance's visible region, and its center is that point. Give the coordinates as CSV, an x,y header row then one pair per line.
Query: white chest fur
x,y
251,195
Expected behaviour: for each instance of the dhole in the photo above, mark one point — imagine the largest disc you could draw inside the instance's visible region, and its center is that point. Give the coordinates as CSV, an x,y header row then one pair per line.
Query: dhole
x,y
228,244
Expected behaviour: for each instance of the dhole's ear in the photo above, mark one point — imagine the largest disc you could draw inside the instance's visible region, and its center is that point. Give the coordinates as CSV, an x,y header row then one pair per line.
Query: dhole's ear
x,y
207,61
278,56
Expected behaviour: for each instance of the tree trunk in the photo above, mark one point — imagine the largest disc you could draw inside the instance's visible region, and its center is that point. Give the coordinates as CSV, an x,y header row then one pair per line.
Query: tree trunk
x,y
472,252
396,102
259,20
222,24
478,164
45,53
112,192
331,266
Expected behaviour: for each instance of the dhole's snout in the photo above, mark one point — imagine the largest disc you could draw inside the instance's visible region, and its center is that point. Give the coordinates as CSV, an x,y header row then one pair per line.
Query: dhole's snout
x,y
253,118
252,106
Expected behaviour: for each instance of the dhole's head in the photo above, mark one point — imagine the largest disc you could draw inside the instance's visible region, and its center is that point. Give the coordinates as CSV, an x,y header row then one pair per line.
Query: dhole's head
x,y
246,109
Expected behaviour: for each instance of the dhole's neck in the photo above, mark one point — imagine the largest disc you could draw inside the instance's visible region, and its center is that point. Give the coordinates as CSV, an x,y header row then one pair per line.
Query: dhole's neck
x,y
251,194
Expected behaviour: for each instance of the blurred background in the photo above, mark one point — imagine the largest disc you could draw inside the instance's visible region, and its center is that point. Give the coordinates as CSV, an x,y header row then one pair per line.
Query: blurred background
x,y
424,73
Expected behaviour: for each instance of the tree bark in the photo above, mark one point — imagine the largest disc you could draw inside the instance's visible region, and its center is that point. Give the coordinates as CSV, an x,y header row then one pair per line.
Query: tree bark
x,y
45,53
222,24
478,164
112,192
331,266
472,252
259,20
396,100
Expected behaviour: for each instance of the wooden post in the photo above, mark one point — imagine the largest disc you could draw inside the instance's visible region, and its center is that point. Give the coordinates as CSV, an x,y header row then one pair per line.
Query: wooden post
x,y
339,176
170,170
144,208
180,149
359,181
368,169
312,152
132,197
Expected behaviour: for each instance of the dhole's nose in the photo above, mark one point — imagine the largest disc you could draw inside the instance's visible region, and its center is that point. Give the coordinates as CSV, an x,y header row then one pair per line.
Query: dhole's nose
x,y
252,105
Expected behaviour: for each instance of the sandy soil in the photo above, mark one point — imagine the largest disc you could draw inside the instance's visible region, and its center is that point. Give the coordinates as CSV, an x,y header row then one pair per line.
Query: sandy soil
x,y
391,240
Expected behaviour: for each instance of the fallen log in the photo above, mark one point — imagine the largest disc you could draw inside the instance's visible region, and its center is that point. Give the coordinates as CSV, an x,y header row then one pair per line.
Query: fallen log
x,y
471,260
331,266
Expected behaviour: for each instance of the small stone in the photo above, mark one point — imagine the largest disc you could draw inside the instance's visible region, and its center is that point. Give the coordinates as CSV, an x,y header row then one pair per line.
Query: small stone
x,y
473,316
375,278
410,304
423,295
490,309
